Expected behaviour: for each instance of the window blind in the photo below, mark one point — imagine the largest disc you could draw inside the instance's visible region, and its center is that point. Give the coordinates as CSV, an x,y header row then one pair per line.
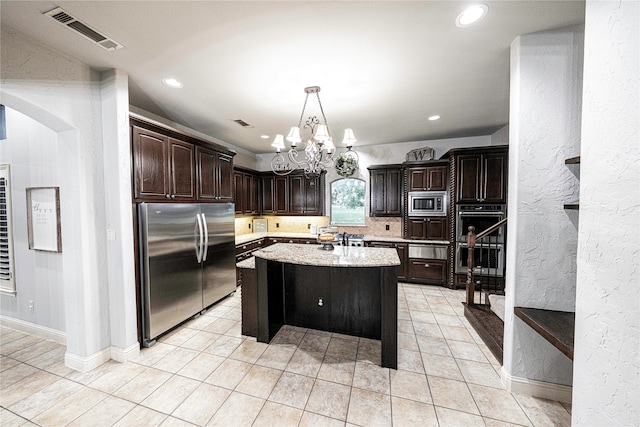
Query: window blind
x,y
7,280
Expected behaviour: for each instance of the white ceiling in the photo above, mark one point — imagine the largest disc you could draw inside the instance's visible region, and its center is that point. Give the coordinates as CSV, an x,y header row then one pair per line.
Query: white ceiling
x,y
383,66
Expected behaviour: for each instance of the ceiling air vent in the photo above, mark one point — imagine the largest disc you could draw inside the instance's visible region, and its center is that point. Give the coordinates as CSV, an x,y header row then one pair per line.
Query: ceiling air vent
x,y
71,22
243,123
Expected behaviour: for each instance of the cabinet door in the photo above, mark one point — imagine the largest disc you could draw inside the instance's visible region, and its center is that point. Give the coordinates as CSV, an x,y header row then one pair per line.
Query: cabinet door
x,y
428,271
151,167
393,192
224,177
182,173
377,191
206,174
494,173
417,228
468,178
313,200
250,194
437,178
281,194
418,179
238,191
437,228
296,194
268,194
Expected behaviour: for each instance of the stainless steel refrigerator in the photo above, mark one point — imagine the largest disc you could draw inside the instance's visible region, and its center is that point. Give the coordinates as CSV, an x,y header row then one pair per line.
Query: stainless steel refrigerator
x,y
187,260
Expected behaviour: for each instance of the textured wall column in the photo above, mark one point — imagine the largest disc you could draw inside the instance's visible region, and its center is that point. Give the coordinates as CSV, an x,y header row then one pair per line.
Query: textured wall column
x,y
544,130
607,359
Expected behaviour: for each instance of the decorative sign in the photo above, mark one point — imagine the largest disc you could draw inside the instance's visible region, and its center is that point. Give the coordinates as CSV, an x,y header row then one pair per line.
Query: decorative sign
x,y
420,154
43,219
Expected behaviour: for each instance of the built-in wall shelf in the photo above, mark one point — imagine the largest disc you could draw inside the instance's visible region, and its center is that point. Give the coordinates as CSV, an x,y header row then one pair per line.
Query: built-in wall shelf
x,y
572,160
572,206
557,327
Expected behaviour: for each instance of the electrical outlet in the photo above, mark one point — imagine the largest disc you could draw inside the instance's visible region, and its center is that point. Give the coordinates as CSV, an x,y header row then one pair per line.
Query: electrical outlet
x,y
31,305
249,226
386,227
277,225
308,226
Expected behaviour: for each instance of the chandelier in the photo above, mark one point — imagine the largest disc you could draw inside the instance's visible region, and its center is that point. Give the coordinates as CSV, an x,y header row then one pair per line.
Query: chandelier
x,y
318,150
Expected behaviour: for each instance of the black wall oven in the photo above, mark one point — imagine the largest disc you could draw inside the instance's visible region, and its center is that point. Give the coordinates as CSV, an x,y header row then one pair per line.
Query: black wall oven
x,y
489,254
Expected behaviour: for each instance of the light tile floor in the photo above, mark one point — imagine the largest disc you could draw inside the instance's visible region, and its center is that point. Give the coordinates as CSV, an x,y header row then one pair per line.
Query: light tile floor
x,y
206,373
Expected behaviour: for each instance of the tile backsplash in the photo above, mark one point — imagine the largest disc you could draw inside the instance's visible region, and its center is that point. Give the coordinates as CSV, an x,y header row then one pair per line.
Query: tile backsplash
x,y
300,224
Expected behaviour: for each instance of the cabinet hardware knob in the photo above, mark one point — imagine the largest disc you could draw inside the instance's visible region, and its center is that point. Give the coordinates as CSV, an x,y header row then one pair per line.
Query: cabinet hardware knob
x,y
320,302
427,266
167,196
173,196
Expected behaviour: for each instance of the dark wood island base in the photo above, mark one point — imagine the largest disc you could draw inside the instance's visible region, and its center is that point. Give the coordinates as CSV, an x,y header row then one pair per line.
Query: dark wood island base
x,y
357,298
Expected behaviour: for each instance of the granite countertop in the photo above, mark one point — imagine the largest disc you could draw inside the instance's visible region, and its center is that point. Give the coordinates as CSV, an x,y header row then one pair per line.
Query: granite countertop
x,y
340,256
244,238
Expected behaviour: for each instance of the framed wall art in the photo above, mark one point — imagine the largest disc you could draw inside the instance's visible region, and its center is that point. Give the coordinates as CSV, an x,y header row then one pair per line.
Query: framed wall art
x,y
43,219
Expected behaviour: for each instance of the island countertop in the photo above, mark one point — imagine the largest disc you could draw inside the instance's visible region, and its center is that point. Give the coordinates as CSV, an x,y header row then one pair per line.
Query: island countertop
x,y
340,256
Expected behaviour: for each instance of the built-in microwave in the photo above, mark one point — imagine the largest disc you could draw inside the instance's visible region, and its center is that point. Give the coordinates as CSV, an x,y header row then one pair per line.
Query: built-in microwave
x,y
427,203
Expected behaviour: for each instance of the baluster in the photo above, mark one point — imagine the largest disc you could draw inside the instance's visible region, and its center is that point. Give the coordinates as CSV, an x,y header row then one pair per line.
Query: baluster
x,y
471,286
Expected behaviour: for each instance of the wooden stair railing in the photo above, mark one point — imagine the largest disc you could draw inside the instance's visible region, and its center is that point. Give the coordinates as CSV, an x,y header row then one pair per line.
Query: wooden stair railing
x,y
472,241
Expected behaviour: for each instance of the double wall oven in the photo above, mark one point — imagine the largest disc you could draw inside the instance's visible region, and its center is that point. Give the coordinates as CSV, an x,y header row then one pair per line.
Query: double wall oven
x,y
489,254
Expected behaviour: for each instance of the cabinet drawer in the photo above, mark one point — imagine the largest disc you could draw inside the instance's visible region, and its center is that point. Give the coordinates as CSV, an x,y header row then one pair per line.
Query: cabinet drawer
x,y
428,270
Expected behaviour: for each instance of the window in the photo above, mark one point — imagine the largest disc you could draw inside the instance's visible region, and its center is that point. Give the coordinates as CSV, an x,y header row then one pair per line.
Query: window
x,y
7,282
347,201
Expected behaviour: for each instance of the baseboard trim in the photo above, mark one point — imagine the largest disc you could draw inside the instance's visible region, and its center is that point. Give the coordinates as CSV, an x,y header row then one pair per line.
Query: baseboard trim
x,y
85,364
125,354
35,330
544,390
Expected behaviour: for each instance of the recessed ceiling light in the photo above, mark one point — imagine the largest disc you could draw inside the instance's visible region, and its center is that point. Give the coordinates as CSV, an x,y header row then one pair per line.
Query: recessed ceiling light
x,y
471,15
171,82
264,136
434,117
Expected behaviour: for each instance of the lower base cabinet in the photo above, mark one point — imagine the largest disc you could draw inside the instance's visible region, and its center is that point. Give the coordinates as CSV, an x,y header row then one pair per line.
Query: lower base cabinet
x,y
430,271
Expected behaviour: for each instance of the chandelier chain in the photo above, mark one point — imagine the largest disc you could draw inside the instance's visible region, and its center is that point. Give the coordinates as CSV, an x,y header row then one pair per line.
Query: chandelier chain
x,y
322,111
304,107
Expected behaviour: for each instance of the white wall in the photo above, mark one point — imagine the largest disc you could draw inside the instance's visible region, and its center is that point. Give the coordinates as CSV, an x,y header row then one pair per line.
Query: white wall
x,y
31,149
607,349
544,123
66,97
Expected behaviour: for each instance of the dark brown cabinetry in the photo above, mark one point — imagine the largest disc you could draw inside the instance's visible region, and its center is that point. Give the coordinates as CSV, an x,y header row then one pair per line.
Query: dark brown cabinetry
x,y
214,175
430,271
246,187
385,190
433,228
481,177
163,166
401,248
171,166
292,195
427,178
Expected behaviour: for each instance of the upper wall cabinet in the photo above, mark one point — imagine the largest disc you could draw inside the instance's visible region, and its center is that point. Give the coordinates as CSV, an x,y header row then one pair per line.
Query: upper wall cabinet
x,y
292,194
385,190
246,191
481,175
170,166
426,178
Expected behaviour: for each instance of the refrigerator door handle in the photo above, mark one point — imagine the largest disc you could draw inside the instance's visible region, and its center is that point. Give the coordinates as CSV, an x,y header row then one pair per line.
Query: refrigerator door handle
x,y
205,248
199,246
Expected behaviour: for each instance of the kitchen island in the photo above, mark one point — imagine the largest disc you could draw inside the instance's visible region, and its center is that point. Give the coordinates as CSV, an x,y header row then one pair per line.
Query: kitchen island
x,y
348,290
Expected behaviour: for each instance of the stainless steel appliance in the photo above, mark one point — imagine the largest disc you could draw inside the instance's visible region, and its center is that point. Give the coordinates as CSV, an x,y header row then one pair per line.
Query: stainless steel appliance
x,y
187,261
489,253
346,239
488,259
427,203
481,217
